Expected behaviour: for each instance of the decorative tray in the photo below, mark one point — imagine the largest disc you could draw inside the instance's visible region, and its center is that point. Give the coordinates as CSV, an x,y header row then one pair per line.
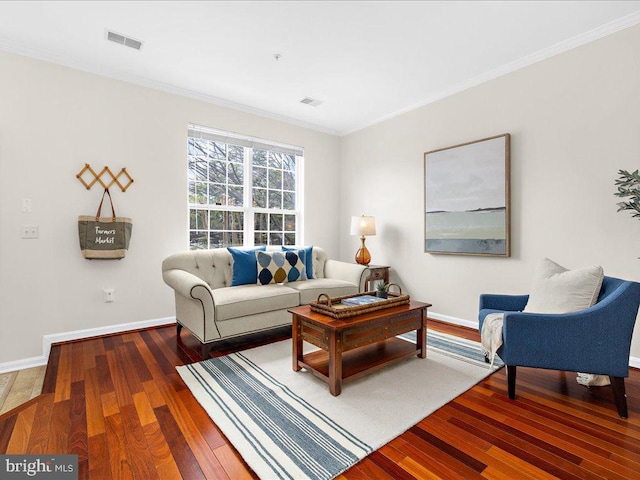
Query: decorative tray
x,y
358,304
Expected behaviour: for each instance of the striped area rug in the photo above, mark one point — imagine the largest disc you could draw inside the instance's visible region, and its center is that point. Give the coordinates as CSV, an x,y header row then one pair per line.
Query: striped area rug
x,y
286,424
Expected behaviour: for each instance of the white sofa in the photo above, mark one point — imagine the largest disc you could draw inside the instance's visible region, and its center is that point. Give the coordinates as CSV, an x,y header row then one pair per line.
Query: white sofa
x,y
213,310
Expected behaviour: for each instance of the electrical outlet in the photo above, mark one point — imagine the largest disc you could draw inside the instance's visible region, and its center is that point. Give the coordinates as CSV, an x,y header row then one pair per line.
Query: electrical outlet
x,y
109,295
30,231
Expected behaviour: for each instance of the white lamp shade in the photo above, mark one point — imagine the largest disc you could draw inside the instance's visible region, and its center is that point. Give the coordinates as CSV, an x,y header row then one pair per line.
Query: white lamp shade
x,y
363,226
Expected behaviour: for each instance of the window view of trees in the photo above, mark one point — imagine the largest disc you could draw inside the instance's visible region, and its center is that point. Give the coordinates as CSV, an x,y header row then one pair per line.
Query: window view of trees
x,y
221,215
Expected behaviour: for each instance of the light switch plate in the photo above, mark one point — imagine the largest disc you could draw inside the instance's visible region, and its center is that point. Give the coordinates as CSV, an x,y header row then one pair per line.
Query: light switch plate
x,y
27,205
30,231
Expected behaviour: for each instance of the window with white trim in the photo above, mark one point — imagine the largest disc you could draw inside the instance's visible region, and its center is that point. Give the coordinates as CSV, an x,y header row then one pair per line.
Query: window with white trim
x,y
242,190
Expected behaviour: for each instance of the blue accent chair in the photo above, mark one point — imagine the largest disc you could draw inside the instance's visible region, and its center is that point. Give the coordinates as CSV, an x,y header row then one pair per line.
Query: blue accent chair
x,y
596,340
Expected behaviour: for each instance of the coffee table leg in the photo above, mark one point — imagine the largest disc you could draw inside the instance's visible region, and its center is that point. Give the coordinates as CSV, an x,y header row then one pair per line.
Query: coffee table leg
x,y
335,365
421,336
296,335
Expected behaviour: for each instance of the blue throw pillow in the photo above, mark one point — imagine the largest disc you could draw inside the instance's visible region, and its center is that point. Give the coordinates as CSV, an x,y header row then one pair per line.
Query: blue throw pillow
x,y
307,258
245,266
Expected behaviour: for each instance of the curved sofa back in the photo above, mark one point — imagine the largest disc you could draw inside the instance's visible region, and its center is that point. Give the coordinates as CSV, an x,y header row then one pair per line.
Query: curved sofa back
x,y
215,266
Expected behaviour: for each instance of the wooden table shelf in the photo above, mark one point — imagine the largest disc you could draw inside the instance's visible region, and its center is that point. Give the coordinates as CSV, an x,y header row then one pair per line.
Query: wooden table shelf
x,y
362,361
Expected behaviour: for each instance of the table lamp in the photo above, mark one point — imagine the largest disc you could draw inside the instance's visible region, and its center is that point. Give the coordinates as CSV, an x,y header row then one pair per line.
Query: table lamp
x,y
363,226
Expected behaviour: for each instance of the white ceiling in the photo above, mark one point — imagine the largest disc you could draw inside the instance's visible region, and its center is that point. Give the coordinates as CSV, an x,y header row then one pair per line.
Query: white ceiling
x,y
366,60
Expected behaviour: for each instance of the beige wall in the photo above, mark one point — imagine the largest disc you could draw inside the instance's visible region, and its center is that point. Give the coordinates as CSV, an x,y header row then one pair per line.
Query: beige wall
x,y
54,119
574,121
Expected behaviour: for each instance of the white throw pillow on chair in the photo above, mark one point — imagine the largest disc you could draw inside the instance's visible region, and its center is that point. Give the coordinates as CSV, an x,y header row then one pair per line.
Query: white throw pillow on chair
x,y
556,289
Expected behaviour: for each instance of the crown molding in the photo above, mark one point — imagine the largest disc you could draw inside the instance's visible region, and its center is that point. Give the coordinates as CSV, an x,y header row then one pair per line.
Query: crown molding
x,y
562,47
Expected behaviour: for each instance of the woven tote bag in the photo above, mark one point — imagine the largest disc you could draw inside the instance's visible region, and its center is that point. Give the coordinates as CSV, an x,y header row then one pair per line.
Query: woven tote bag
x,y
105,238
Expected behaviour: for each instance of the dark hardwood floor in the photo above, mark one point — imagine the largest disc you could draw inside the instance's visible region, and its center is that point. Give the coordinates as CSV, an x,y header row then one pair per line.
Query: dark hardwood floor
x,y
118,403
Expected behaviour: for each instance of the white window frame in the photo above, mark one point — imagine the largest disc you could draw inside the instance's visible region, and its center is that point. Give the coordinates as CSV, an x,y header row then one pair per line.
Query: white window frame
x,y
248,210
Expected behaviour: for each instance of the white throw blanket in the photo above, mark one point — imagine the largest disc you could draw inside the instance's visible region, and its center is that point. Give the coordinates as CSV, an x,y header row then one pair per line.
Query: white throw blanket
x,y
491,339
491,335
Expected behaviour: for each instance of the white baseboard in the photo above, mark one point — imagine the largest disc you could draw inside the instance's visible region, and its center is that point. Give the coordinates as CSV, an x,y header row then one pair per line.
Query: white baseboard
x,y
49,340
22,364
454,320
633,361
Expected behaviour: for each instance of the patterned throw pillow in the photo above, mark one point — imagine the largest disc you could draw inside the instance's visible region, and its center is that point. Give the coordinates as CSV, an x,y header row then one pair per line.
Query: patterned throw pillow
x,y
306,254
279,267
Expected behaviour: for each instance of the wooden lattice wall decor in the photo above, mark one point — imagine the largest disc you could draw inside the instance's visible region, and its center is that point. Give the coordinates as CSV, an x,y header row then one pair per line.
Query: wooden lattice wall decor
x,y
97,177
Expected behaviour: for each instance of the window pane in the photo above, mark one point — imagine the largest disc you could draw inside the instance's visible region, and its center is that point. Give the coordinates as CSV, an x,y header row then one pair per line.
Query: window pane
x,y
234,239
275,222
216,218
201,148
191,149
200,193
217,171
289,238
197,168
236,221
289,162
198,240
289,181
289,201
235,196
260,198
218,150
260,158
217,194
259,177
198,219
215,240
192,192
260,238
290,223
260,221
275,199
275,160
275,179
236,154
275,239
236,174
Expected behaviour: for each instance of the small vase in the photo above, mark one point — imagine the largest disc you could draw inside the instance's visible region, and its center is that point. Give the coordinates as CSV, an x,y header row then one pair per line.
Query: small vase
x,y
381,294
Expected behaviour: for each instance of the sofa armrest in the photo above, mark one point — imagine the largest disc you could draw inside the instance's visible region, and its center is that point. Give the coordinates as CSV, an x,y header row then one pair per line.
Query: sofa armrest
x,y
195,308
349,272
183,282
512,303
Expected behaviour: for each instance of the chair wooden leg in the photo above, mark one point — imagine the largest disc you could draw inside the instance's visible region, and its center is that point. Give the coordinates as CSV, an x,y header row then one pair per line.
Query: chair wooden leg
x,y
511,381
204,351
178,329
619,395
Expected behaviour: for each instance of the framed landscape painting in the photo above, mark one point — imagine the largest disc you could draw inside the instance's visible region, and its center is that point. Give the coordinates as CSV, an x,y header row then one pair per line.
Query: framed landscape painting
x,y
467,198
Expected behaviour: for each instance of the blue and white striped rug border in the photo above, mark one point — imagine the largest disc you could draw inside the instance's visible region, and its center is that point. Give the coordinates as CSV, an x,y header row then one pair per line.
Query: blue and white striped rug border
x,y
459,348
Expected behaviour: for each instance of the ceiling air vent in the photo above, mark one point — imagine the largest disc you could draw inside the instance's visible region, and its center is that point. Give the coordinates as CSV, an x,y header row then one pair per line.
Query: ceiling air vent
x,y
123,40
311,101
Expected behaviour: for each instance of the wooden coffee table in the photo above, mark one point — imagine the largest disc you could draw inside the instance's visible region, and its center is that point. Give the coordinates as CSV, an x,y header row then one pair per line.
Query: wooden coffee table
x,y
354,347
